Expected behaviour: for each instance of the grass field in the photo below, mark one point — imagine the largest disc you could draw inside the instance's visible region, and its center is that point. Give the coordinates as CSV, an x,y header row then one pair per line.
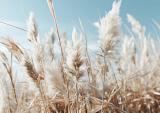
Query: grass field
x,y
121,76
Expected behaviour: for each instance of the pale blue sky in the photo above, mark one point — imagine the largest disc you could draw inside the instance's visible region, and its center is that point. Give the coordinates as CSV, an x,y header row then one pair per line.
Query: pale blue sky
x,y
69,11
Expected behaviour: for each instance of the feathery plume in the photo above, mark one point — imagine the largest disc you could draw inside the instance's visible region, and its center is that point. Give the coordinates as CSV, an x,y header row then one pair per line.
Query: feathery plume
x,y
129,49
153,48
64,41
54,79
136,26
109,28
144,52
13,47
156,24
128,54
49,46
30,69
75,53
32,30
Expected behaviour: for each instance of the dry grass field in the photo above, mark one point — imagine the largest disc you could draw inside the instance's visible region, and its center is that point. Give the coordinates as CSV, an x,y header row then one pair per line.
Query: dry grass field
x,y
122,76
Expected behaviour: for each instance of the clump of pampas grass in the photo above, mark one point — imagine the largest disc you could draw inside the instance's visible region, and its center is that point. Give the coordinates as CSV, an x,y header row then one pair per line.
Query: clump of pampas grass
x,y
122,77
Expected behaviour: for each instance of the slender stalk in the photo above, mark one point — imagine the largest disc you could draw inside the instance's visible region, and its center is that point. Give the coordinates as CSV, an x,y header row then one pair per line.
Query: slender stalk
x,y
77,109
87,53
77,92
89,61
103,80
11,25
68,96
114,75
13,85
42,95
52,10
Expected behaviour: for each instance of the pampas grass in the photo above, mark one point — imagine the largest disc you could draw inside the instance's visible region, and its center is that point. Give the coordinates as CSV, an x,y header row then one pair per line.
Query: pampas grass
x,y
122,77
32,30
109,29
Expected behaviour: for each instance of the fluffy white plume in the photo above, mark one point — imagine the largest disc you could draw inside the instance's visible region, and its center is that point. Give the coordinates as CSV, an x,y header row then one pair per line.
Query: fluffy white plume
x,y
144,52
128,47
136,26
75,52
51,36
32,30
128,54
109,28
54,79
153,48
49,46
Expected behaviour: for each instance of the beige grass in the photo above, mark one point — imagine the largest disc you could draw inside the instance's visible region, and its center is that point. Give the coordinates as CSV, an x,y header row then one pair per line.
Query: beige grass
x,y
122,77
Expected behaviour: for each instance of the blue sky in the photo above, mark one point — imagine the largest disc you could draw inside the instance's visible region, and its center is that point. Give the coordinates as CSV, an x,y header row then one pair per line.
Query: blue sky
x,y
69,11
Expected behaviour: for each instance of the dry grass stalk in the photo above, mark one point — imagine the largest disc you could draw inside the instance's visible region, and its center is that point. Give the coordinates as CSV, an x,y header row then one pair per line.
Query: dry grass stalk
x,y
14,26
52,10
